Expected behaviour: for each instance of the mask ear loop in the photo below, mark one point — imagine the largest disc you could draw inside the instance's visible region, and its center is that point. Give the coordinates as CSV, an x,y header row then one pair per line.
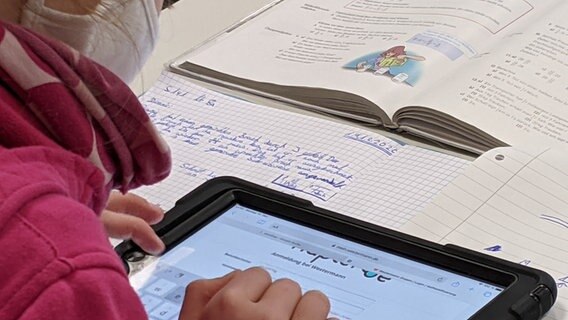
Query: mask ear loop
x,y
151,14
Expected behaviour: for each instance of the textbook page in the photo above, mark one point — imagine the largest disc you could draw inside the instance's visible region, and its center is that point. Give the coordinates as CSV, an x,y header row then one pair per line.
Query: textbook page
x,y
517,93
512,204
384,51
335,166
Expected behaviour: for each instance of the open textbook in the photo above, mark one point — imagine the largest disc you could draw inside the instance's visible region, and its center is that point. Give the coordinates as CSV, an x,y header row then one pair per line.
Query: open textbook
x,y
512,204
474,74
339,167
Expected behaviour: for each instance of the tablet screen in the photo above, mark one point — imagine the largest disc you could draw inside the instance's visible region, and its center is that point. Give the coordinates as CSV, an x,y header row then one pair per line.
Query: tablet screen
x,y
362,283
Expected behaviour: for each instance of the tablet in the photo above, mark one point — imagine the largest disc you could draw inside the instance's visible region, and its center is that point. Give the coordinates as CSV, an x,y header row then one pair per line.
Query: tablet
x,y
367,272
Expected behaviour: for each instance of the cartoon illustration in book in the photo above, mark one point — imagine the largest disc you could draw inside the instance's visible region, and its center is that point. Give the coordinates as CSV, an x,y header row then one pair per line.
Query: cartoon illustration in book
x,y
395,63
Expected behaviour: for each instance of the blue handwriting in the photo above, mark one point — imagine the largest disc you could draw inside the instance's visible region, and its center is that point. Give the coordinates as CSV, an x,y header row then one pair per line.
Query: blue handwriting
x,y
203,98
176,91
383,145
155,101
197,171
318,174
562,282
304,186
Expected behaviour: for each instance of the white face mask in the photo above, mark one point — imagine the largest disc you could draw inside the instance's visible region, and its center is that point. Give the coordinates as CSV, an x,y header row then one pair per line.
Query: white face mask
x,y
120,37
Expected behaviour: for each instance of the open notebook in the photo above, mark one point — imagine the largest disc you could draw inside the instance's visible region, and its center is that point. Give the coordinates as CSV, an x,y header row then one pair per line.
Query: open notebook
x,y
512,204
339,167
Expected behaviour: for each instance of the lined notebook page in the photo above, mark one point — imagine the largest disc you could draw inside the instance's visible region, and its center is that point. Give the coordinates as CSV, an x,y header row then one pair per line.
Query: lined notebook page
x,y
512,204
339,167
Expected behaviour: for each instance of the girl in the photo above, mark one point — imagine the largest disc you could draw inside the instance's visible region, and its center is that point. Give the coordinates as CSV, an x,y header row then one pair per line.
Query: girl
x,y
70,132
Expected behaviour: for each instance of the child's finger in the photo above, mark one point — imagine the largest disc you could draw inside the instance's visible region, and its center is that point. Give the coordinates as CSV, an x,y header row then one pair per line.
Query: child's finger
x,y
125,226
134,205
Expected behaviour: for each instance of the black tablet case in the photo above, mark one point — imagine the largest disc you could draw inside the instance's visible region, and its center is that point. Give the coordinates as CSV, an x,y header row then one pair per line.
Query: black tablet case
x,y
532,295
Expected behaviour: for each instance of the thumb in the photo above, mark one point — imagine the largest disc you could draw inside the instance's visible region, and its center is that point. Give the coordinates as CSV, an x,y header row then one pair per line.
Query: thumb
x,y
199,292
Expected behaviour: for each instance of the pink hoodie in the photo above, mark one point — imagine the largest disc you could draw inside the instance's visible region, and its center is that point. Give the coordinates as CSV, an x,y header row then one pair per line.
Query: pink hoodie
x,y
56,261
69,132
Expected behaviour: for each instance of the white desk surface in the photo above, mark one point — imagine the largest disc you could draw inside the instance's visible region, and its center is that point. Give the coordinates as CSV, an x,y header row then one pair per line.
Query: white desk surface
x,y
188,23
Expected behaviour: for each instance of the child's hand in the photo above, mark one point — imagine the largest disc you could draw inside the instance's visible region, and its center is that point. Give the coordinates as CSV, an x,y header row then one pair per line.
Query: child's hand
x,y
129,217
251,295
